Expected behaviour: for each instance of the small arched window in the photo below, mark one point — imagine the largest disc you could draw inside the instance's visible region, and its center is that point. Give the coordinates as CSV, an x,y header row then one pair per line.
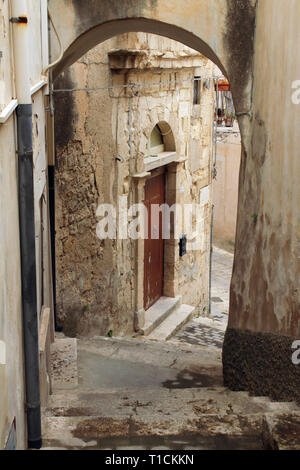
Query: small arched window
x,y
161,140
156,142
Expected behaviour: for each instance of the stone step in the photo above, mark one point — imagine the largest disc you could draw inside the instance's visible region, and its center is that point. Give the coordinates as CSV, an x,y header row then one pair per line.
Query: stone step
x,y
94,432
281,431
128,402
216,431
276,406
64,363
156,314
179,393
175,320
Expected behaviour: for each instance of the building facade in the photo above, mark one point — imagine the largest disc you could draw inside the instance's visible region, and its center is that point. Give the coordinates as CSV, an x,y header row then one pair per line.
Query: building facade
x,y
158,101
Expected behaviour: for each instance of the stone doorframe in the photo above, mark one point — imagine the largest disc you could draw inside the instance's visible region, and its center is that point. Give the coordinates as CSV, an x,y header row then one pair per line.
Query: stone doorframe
x,y
171,248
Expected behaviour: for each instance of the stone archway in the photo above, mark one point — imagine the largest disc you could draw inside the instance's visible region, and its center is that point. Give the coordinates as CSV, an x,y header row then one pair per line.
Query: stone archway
x,y
222,31
264,295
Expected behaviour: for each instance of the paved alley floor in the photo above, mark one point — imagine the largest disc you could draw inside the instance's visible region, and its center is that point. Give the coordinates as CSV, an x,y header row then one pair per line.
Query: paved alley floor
x,y
121,393
210,332
137,393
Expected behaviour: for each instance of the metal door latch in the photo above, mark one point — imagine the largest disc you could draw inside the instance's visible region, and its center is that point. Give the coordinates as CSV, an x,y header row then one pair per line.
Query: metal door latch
x,y
19,19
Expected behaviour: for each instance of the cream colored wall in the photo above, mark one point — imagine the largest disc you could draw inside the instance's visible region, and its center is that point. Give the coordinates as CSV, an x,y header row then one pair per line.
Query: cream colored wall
x,y
12,399
11,373
225,191
40,193
6,71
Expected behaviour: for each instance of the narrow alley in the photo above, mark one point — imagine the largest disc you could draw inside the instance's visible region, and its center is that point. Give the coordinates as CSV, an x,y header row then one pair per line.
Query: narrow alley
x,y
140,140
136,393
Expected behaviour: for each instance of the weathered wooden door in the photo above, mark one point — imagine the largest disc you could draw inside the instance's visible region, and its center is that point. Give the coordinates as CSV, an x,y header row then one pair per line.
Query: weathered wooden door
x,y
154,248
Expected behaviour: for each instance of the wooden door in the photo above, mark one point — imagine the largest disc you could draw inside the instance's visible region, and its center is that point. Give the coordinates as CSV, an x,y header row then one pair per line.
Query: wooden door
x,y
154,248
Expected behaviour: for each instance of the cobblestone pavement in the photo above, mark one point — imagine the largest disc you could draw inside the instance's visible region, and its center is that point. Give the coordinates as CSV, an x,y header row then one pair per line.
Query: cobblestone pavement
x,y
197,334
211,333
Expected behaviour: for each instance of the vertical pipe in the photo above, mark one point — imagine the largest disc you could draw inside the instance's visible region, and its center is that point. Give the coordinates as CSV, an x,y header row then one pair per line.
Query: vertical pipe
x,y
27,226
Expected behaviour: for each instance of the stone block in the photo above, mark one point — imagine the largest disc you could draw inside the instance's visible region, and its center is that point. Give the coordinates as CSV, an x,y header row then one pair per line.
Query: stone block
x,y
139,320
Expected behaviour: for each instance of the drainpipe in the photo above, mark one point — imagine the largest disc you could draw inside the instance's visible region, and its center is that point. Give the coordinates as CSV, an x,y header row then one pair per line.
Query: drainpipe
x,y
26,221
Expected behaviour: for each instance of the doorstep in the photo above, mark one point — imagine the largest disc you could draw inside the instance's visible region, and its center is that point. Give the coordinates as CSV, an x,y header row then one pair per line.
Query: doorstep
x,y
176,320
156,314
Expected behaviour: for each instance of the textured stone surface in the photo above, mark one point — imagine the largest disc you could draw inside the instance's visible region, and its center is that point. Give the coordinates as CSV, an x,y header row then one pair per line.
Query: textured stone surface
x,y
282,431
64,362
261,363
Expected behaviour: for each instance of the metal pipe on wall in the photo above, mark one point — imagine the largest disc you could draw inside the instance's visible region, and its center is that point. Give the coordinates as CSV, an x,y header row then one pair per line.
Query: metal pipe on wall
x,y
26,220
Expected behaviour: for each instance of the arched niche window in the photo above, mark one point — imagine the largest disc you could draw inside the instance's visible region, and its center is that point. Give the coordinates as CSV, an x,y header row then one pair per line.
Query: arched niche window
x,y
161,140
156,142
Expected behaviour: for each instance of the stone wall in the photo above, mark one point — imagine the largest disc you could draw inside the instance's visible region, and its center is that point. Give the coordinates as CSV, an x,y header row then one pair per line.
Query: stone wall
x,y
99,160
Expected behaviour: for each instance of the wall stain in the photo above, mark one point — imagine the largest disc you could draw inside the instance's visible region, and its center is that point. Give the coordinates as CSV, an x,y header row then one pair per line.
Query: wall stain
x,y
65,110
108,10
239,43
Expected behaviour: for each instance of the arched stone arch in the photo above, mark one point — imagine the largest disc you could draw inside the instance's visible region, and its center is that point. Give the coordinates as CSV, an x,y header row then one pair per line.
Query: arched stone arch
x,y
222,31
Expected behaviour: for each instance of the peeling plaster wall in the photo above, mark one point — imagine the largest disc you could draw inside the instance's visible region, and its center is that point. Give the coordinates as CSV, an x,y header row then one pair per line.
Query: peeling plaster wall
x,y
269,243
265,293
96,280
